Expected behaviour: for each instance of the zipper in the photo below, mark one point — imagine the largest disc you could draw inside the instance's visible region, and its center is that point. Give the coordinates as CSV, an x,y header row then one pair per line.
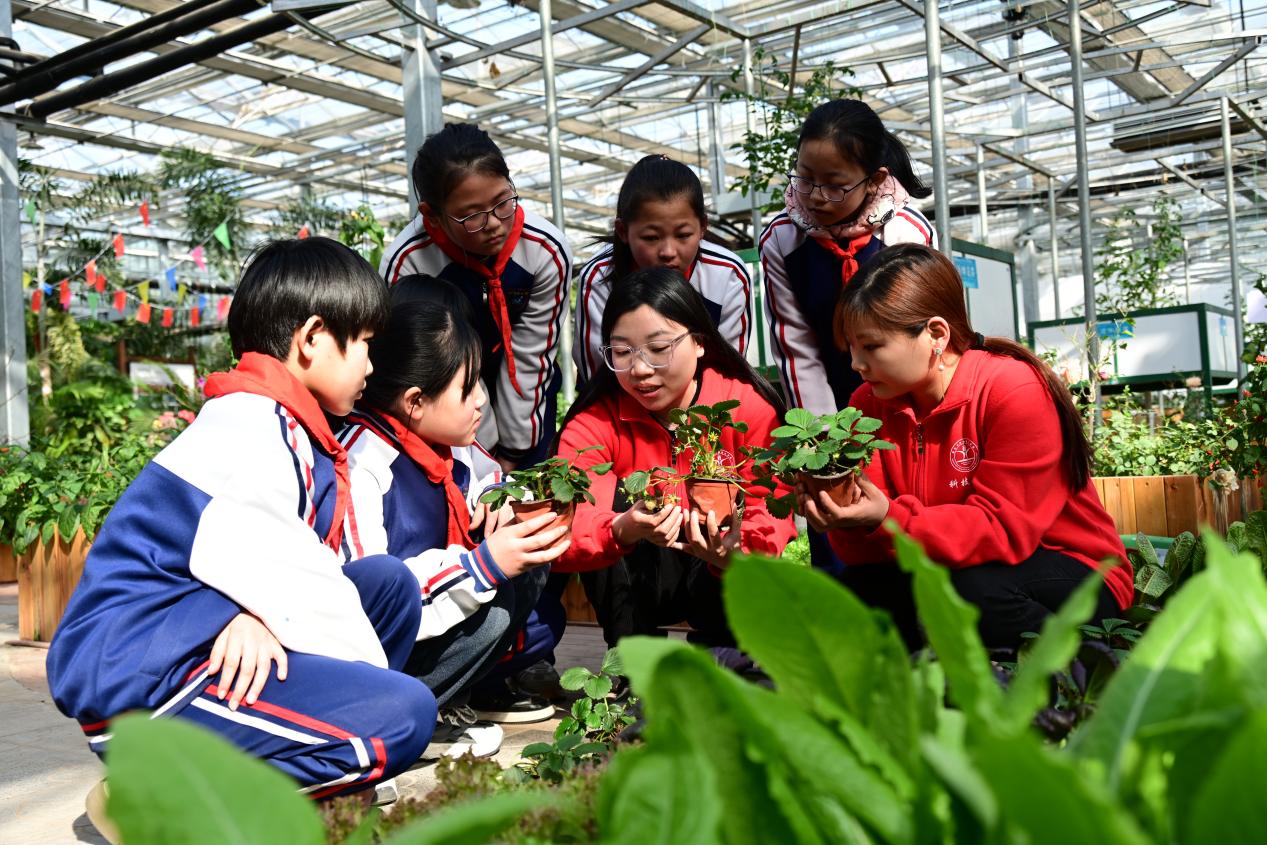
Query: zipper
x,y
919,462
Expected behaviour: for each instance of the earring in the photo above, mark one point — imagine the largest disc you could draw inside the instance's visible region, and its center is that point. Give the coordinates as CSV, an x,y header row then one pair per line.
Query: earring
x,y
941,365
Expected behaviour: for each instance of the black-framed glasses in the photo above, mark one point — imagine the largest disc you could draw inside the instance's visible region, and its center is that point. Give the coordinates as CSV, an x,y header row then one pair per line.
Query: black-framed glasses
x,y
657,354
831,193
476,221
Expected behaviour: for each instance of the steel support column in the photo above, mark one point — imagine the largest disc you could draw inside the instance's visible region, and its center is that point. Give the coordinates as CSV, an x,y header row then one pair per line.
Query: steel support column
x,y
758,278
932,35
716,152
14,421
1225,117
1055,244
556,181
420,87
1084,197
983,214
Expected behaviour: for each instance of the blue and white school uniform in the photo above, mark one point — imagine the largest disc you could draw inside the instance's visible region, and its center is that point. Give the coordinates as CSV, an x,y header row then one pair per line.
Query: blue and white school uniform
x,y
720,276
802,285
230,518
519,298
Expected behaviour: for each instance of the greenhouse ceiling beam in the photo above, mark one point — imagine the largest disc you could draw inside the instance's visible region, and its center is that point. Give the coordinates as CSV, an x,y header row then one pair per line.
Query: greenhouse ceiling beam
x,y
1248,47
196,127
532,36
713,20
1247,117
606,27
640,70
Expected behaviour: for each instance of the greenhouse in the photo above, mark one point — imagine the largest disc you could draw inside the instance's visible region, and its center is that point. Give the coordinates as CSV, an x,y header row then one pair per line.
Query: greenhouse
x,y
617,331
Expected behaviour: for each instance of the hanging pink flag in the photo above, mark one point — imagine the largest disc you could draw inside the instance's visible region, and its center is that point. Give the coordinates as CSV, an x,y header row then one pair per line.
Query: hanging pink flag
x,y
64,294
167,317
145,213
90,273
222,307
119,249
120,301
303,232
197,255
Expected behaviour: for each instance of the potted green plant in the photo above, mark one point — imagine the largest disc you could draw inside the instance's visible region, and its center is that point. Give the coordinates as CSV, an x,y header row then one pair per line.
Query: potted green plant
x,y
552,485
825,453
712,479
654,487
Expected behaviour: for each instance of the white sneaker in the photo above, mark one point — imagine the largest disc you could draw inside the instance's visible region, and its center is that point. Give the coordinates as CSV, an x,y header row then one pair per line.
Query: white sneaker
x,y
95,809
459,732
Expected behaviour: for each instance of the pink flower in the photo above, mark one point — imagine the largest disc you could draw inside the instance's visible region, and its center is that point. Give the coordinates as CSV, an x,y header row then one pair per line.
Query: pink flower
x,y
187,416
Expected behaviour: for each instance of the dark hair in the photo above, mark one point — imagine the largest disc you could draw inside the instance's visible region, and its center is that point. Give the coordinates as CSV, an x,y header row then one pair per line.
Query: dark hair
x,y
655,178
428,340
672,297
859,135
904,286
449,156
287,281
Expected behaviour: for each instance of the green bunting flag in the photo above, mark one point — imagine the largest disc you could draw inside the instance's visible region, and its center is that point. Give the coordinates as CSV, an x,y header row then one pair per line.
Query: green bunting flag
x,y
30,212
222,235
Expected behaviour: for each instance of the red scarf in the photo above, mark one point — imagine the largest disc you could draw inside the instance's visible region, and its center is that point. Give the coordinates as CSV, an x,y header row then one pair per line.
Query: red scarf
x,y
848,264
492,276
436,462
264,375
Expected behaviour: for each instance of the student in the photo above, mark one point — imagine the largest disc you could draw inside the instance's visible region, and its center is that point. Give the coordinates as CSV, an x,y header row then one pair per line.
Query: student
x,y
417,475
218,574
660,222
846,200
992,471
662,351
512,265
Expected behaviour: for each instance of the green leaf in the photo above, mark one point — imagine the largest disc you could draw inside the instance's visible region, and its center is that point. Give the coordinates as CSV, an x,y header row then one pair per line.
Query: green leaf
x,y
173,782
598,686
800,418
1179,557
867,424
833,654
602,469
1152,581
816,461
1050,653
662,797
562,490
537,749
67,524
471,823
951,625
1228,806
575,678
1146,550
612,664
786,431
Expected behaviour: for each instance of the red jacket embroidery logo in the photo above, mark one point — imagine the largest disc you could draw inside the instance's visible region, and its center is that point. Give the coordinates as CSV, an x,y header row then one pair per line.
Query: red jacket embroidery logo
x,y
964,455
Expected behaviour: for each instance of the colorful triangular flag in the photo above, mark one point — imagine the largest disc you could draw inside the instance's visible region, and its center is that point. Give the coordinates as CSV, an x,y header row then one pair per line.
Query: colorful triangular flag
x,y
64,294
202,301
90,273
303,232
120,301
167,317
26,280
170,272
222,307
143,313
143,289
94,301
37,300
145,213
193,318
181,290
29,208
119,248
222,235
197,255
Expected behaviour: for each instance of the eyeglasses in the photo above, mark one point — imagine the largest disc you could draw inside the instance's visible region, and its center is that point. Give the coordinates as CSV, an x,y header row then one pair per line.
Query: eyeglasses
x,y
657,354
476,221
831,193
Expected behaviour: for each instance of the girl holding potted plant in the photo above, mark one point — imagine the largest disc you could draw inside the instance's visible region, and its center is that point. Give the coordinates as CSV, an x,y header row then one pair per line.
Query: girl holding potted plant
x,y
417,474
992,470
644,567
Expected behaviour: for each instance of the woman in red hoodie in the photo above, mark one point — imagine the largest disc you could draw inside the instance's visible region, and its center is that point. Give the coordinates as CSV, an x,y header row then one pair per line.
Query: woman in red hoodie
x,y
662,351
992,471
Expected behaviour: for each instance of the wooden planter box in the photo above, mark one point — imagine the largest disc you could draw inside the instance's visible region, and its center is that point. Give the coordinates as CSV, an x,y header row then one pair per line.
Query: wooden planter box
x,y
47,575
1167,505
8,565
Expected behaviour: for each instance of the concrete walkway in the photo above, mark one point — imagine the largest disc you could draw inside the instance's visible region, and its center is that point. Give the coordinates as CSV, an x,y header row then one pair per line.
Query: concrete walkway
x,y
46,769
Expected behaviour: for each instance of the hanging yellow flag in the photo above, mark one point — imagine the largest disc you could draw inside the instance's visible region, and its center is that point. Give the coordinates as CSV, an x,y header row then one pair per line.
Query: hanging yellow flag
x,y
180,292
26,280
144,292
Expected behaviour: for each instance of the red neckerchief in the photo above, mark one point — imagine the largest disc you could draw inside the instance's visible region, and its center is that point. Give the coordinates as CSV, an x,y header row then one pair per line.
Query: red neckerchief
x,y
848,264
492,275
436,462
264,375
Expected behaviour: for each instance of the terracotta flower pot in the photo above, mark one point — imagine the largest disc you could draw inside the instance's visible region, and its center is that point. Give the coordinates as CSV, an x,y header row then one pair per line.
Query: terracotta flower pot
x,y
525,511
723,498
839,487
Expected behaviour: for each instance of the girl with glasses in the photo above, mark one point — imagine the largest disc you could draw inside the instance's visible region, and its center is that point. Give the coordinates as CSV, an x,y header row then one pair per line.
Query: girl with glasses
x,y
992,470
661,222
846,200
513,266
661,350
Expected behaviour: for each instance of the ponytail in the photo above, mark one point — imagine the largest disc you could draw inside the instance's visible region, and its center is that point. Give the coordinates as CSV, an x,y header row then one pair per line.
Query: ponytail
x,y
904,286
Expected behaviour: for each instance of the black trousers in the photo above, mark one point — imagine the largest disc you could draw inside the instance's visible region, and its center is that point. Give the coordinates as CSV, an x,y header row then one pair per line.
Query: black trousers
x,y
1013,599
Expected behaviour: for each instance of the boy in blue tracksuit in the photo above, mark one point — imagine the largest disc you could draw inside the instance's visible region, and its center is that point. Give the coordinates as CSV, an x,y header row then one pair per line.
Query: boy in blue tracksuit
x,y
215,591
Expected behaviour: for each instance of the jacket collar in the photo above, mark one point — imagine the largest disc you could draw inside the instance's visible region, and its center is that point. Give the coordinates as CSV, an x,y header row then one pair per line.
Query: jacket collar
x,y
962,387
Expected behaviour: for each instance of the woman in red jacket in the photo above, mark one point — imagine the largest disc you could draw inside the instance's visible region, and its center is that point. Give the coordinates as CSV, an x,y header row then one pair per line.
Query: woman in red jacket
x,y
992,471
662,351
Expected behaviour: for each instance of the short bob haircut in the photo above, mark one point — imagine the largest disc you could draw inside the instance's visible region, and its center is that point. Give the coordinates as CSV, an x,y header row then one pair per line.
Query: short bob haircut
x,y
428,341
287,281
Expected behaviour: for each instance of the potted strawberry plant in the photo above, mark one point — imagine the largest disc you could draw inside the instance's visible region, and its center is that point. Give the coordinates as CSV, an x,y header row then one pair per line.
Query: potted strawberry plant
x,y
824,453
552,485
653,487
712,478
